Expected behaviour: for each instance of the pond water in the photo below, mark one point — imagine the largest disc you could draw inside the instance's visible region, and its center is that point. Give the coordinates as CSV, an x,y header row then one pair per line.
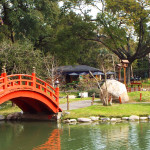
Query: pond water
x,y
95,136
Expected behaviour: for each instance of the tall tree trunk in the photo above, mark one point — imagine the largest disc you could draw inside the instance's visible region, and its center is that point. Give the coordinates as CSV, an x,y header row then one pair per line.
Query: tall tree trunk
x,y
149,63
128,73
12,37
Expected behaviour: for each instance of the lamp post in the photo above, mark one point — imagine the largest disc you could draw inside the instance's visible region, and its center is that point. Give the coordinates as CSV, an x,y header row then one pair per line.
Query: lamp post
x,y
57,83
125,65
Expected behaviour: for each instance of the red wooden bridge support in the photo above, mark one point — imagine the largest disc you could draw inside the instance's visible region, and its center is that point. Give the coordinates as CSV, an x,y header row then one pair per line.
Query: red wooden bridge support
x,y
30,93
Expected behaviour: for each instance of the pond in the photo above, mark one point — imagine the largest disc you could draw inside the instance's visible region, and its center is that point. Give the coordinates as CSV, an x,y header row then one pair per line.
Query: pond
x,y
95,136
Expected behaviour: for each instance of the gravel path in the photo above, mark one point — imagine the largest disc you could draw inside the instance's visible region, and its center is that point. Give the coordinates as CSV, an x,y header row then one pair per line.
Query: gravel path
x,y
86,103
76,105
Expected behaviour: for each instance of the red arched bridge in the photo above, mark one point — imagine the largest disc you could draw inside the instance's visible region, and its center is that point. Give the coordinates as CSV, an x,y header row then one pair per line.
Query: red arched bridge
x,y
29,93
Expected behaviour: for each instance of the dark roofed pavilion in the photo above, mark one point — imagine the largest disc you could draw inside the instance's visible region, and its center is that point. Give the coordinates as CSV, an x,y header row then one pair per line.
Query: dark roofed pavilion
x,y
77,69
72,73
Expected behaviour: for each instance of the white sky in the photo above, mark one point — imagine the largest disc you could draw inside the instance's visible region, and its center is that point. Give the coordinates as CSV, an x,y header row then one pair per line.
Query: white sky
x,y
93,11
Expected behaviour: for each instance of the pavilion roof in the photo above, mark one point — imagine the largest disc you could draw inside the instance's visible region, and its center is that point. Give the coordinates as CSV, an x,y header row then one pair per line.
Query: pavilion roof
x,y
77,69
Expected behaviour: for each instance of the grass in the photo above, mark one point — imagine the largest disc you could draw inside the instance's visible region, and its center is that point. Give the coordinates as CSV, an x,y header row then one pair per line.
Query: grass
x,y
116,110
135,96
64,100
147,82
63,94
9,110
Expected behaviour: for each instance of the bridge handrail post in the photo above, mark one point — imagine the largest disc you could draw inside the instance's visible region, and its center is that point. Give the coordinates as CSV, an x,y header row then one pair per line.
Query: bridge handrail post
x,y
57,94
33,78
2,74
19,77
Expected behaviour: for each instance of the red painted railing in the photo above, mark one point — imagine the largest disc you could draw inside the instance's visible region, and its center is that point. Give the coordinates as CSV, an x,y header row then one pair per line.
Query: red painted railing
x,y
28,82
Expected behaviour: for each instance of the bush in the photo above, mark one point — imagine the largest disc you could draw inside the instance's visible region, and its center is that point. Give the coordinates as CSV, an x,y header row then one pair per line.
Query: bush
x,y
96,91
69,86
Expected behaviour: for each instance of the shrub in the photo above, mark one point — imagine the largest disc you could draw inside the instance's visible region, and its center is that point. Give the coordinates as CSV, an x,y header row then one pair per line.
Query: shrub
x,y
96,91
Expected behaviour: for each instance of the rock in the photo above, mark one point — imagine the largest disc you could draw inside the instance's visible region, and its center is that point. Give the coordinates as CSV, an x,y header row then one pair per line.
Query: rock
x,y
148,117
84,120
116,89
67,113
2,117
143,89
143,118
73,120
133,118
66,121
125,118
72,96
94,118
105,119
59,115
72,123
14,116
113,119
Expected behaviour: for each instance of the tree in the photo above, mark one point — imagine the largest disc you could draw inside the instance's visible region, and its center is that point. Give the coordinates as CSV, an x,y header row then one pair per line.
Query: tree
x,y
122,27
51,64
29,19
50,28
126,23
69,45
20,58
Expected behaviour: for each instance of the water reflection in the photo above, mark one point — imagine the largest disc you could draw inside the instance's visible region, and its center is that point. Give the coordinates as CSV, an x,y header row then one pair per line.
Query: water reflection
x,y
29,135
48,136
53,142
122,136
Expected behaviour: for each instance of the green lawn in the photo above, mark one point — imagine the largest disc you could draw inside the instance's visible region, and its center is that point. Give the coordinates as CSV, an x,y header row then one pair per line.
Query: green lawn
x,y
64,100
116,110
9,110
63,94
135,96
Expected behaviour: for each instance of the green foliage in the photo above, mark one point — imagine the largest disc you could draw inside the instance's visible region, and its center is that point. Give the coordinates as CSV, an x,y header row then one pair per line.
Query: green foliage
x,y
95,90
29,18
8,110
49,28
115,35
19,57
69,39
122,27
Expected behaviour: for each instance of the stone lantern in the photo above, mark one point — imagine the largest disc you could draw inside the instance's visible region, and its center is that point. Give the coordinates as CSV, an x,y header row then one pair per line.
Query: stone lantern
x,y
119,66
124,65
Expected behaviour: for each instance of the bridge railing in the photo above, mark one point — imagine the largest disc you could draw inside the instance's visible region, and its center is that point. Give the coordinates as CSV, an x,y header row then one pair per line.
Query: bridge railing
x,y
28,82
